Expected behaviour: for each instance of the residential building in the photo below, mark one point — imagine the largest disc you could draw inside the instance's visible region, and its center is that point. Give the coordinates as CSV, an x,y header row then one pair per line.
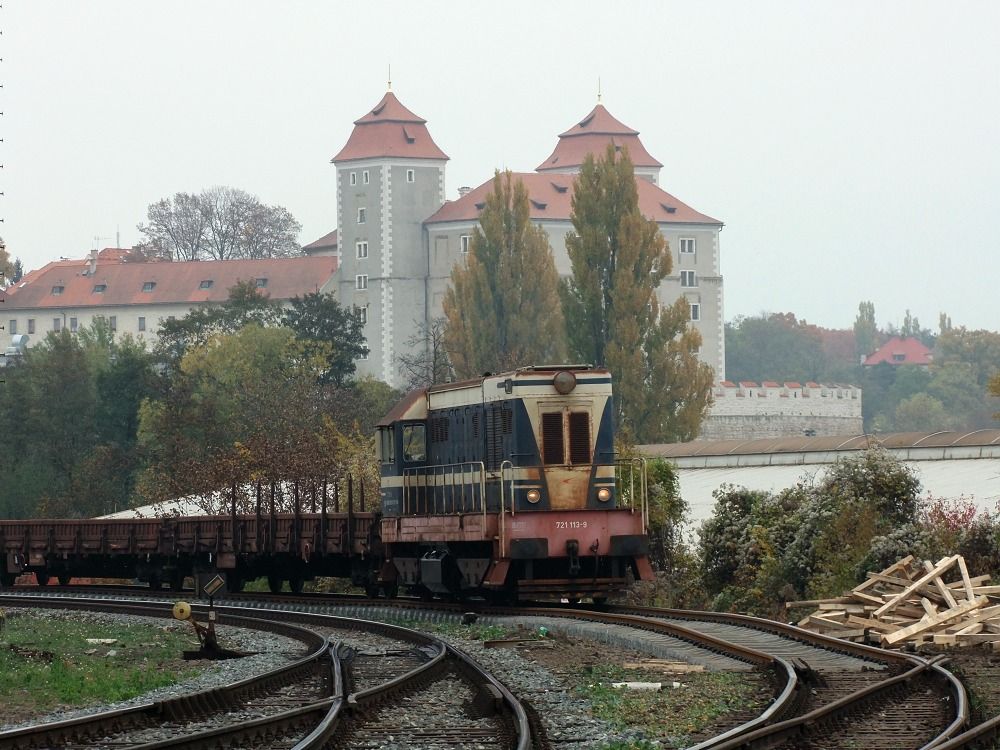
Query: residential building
x,y
900,351
136,298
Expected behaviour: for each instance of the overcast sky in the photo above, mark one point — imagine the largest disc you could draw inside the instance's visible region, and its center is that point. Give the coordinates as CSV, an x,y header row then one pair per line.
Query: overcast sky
x,y
851,148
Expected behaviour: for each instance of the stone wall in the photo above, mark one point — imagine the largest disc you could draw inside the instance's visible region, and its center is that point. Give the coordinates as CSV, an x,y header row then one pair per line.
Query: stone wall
x,y
749,410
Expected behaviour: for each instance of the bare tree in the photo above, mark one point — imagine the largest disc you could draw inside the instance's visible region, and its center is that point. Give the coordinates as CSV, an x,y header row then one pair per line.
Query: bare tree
x,y
221,223
426,361
178,226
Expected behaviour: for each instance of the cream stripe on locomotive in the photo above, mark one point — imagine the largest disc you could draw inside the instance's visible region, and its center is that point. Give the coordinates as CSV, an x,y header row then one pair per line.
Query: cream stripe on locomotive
x,y
522,476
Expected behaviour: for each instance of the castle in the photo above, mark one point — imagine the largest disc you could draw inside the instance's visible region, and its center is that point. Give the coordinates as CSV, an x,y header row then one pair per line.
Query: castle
x,y
398,236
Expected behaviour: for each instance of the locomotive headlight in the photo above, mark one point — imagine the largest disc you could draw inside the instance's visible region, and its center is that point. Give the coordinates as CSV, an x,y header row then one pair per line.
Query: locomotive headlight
x,y
564,382
604,494
534,496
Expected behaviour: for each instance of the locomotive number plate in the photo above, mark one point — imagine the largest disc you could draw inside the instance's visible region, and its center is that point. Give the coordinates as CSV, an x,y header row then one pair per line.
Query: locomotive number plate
x,y
571,524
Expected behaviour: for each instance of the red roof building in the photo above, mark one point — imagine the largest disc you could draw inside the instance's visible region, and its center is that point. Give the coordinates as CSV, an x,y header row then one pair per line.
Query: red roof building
x,y
389,130
136,296
900,351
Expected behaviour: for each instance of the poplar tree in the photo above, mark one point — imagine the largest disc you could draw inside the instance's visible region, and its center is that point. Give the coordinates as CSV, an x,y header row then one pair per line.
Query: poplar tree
x,y
502,305
613,316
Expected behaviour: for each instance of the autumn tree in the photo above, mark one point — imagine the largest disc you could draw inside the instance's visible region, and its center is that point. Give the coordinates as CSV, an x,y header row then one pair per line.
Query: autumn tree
x,y
322,319
243,406
613,316
501,306
865,330
220,223
6,266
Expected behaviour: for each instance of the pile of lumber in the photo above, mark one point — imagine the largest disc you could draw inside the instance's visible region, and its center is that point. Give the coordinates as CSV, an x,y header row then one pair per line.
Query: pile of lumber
x,y
912,602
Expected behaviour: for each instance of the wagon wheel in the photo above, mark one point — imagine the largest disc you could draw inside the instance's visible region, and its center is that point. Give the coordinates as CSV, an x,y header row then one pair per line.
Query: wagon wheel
x,y
274,583
64,579
42,578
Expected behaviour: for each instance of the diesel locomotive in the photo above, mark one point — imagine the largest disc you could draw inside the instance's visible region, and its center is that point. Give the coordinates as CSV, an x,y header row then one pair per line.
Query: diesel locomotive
x,y
508,485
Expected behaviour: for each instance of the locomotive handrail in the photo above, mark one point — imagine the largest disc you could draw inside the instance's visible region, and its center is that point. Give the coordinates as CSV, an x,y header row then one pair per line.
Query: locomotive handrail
x,y
507,466
474,470
636,465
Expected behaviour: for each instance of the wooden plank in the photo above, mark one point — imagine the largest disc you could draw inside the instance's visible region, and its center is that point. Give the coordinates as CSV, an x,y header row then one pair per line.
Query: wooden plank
x,y
854,609
986,613
816,602
823,622
929,608
975,580
976,627
926,578
977,590
866,622
969,593
942,589
876,600
664,666
929,622
971,638
857,633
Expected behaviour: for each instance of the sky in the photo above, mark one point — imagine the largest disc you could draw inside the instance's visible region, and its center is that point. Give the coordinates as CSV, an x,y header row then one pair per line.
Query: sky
x,y
852,149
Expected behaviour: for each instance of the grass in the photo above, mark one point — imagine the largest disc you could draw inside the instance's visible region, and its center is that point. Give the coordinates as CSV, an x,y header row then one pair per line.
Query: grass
x,y
674,714
474,632
45,664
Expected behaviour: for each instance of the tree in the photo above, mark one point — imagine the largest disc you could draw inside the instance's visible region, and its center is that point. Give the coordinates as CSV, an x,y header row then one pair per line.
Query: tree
x,y
995,390
7,269
774,346
246,304
613,316
243,406
865,330
221,223
499,305
979,350
320,318
921,412
426,359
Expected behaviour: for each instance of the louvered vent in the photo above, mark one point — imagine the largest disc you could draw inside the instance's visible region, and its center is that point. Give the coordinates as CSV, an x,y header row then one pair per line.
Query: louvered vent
x,y
475,425
508,421
579,437
439,430
552,438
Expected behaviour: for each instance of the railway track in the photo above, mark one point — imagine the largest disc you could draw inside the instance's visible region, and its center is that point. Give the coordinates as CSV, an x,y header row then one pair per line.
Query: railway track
x,y
289,713
841,691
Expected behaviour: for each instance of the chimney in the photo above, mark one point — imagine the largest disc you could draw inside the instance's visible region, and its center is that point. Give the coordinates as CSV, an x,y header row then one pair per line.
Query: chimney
x,y
464,191
92,262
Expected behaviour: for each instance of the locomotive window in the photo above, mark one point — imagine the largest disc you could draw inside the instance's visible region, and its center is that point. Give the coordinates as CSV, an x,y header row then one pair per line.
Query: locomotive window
x,y
552,438
579,437
387,447
414,443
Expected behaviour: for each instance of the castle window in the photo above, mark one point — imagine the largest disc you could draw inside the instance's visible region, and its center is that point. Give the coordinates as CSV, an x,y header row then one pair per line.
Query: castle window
x,y
362,313
687,244
354,178
362,248
695,311
411,175
56,324
13,328
113,322
149,286
205,284
362,215
31,325
142,323
364,177
688,278
464,242
99,288
260,283
361,281
73,325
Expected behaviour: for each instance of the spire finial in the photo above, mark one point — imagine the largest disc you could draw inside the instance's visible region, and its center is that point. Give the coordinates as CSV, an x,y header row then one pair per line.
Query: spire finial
x,y
390,77
598,89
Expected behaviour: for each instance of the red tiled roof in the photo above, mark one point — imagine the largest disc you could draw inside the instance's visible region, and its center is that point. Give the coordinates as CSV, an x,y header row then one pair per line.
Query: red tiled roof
x,y
550,198
770,384
591,136
327,240
177,282
900,351
748,384
793,384
727,384
390,129
811,384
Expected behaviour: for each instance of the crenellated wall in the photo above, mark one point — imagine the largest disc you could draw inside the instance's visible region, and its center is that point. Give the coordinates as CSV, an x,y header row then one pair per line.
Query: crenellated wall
x,y
749,410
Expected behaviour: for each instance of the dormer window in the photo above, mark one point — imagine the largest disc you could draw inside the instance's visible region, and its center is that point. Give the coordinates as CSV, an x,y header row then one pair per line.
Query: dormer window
x,y
261,283
149,286
100,288
205,284
58,289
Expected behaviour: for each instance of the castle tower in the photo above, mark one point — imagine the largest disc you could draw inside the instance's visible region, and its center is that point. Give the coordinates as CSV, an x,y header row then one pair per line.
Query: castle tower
x,y
591,136
390,177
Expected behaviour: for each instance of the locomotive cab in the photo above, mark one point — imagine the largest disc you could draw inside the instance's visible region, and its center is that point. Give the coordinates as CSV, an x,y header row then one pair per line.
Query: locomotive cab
x,y
510,483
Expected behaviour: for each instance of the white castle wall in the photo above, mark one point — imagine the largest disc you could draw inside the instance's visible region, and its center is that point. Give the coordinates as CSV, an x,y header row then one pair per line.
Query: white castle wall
x,y
746,410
